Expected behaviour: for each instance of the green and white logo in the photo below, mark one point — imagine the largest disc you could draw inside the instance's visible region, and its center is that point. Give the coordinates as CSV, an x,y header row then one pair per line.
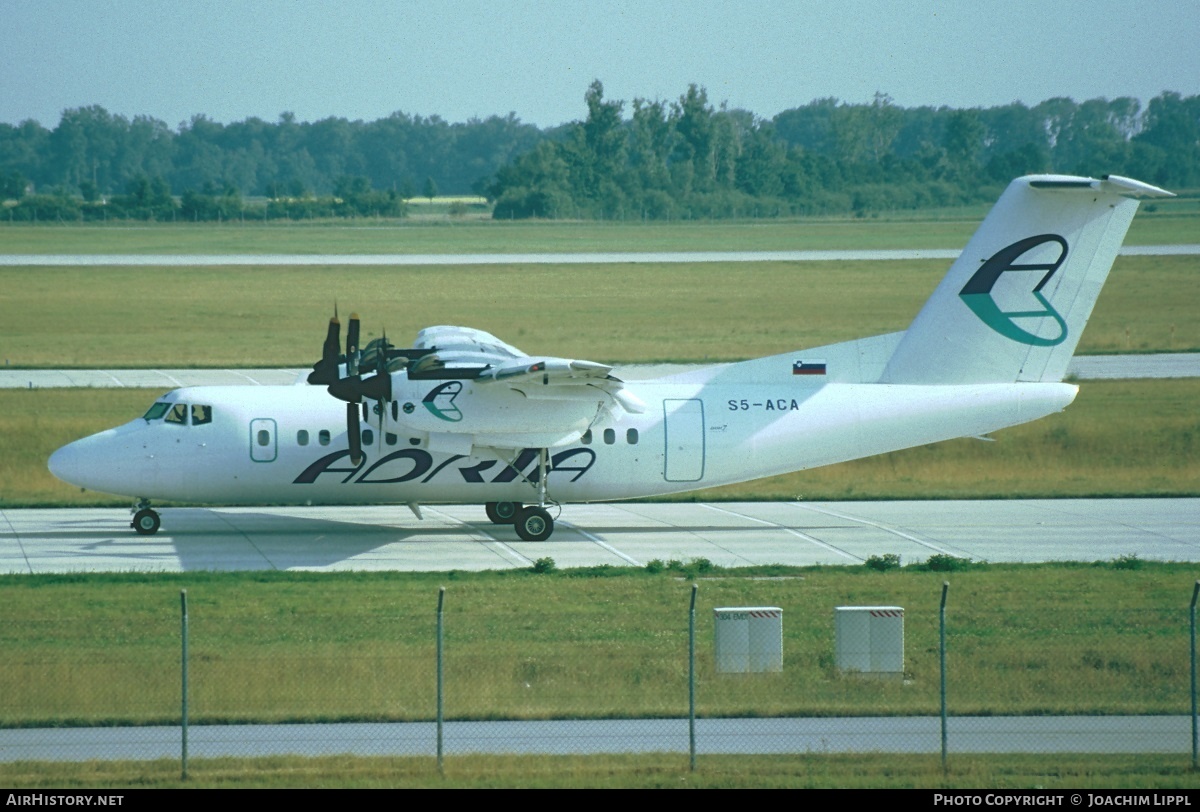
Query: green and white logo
x,y
978,293
440,402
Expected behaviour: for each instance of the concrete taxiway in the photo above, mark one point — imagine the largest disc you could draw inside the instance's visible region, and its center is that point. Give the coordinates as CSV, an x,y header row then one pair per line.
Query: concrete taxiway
x,y
574,258
1083,368
729,534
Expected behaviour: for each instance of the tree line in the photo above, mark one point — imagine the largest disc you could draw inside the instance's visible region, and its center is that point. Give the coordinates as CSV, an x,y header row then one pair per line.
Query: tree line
x,y
96,164
651,159
686,159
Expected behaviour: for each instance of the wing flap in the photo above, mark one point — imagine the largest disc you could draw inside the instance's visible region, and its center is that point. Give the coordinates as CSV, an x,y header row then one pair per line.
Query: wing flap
x,y
547,370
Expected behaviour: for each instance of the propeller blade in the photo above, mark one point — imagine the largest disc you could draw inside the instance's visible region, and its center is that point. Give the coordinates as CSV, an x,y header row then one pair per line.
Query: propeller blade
x,y
353,434
374,355
333,340
381,365
383,409
352,354
325,371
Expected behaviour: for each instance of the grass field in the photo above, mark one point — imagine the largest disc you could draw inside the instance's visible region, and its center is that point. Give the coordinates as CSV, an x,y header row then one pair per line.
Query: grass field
x,y
1173,222
1119,438
1108,638
213,316
804,771
619,313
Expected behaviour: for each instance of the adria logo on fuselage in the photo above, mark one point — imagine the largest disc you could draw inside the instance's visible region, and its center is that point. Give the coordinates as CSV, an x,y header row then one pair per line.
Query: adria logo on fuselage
x,y
440,402
977,294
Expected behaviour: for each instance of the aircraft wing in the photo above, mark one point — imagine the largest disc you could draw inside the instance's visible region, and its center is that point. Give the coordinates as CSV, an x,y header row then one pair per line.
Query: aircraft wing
x,y
471,353
562,379
547,371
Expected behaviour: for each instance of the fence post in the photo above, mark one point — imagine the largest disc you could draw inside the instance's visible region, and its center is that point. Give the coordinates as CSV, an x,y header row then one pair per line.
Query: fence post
x,y
692,680
183,667
942,658
440,707
1195,740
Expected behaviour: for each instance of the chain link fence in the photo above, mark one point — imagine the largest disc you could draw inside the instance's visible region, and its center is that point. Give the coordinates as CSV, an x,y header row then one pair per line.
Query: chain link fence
x,y
688,678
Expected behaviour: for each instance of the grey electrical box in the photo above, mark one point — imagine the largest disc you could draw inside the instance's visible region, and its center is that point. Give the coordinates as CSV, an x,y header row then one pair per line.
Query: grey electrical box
x,y
870,639
749,639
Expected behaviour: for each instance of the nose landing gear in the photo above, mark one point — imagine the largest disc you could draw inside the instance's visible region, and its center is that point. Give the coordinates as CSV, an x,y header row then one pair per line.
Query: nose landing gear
x,y
145,520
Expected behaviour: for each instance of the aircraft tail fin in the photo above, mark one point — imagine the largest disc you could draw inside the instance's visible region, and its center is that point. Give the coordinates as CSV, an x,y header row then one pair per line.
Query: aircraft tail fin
x,y
1015,302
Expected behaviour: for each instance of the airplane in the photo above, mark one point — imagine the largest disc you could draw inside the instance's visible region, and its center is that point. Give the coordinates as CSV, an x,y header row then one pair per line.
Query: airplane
x,y
462,417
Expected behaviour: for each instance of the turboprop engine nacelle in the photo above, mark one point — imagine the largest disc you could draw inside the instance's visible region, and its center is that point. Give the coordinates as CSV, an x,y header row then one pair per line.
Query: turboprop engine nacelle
x,y
489,415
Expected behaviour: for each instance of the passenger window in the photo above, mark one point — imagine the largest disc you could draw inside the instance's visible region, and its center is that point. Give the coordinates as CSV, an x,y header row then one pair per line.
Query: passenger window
x,y
302,437
368,437
178,414
586,439
201,415
610,436
631,436
156,411
323,437
264,438
390,438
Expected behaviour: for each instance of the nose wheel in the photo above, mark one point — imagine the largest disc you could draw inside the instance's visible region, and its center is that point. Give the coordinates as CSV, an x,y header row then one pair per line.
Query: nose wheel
x,y
146,522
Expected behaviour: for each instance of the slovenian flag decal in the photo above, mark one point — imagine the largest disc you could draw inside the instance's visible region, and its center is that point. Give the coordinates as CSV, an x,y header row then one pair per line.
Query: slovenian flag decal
x,y
808,367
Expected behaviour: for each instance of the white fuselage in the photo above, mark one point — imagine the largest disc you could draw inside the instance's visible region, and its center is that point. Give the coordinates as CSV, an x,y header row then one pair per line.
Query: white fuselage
x,y
471,419
287,445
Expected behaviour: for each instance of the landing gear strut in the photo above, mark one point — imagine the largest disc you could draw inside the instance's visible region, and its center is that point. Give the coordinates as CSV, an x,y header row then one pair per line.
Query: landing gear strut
x,y
532,522
145,520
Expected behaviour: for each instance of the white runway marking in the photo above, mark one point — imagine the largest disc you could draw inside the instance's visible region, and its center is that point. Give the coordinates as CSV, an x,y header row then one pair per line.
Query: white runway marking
x,y
792,531
879,526
458,537
599,541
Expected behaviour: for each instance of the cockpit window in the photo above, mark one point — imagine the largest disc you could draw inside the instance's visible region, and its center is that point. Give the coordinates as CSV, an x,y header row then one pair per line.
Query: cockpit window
x,y
201,415
156,411
178,414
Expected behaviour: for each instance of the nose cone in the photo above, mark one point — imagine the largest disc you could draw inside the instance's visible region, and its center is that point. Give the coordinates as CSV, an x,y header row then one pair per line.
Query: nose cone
x,y
73,464
108,461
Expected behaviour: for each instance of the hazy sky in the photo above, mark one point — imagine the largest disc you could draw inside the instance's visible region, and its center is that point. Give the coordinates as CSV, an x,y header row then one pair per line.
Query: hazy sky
x,y
230,59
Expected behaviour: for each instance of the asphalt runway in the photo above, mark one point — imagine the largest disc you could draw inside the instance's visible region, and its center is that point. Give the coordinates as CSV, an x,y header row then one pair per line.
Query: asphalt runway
x,y
906,734
729,534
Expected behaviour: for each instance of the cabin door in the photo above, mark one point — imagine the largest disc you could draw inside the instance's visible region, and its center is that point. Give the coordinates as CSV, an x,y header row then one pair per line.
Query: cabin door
x,y
684,424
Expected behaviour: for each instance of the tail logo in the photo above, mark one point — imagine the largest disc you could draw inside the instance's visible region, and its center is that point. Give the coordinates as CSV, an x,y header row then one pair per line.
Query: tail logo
x,y
977,294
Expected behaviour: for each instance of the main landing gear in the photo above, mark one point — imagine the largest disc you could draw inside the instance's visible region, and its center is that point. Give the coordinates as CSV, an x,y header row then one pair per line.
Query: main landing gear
x,y
531,522
145,520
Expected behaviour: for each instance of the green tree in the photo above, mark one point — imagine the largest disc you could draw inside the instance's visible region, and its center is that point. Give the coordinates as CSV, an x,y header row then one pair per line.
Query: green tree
x,y
1169,146
12,185
693,122
599,145
963,143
